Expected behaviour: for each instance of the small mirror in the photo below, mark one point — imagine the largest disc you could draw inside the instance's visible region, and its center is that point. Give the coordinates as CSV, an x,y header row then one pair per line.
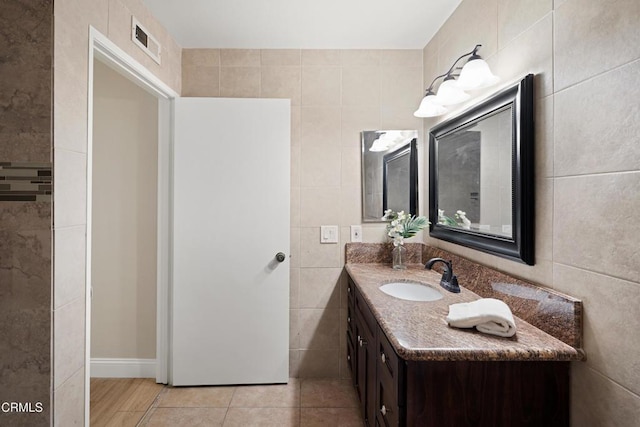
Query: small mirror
x,y
481,175
389,173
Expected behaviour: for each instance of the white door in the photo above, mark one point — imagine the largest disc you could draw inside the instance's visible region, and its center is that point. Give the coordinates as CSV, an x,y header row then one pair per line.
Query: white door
x,y
230,296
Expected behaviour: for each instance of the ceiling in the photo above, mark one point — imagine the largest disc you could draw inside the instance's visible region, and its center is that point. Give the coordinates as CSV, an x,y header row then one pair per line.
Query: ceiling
x,y
302,24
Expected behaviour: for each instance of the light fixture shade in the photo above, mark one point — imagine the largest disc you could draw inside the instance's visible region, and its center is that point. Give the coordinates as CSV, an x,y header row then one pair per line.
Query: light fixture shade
x,y
378,146
449,93
476,74
429,107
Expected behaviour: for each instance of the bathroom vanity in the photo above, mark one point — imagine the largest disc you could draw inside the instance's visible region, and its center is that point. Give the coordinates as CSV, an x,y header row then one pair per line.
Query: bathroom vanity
x,y
411,369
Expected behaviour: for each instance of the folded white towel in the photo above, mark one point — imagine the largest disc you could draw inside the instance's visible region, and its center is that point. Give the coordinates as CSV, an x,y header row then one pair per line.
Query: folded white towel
x,y
488,315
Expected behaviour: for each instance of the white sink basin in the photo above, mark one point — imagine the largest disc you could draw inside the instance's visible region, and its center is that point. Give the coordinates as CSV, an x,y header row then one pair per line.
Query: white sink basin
x,y
411,291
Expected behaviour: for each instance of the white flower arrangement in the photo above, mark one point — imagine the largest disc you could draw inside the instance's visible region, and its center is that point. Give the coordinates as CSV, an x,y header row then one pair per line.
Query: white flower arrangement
x,y
403,225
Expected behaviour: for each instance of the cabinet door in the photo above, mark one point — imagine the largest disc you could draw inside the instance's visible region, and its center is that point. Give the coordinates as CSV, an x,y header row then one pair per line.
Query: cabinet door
x,y
366,370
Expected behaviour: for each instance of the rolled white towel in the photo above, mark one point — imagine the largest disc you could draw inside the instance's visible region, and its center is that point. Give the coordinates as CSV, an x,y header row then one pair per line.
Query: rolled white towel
x,y
487,315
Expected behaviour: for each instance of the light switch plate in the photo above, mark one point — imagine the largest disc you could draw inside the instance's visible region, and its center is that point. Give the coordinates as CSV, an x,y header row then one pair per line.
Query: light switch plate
x,y
328,234
356,233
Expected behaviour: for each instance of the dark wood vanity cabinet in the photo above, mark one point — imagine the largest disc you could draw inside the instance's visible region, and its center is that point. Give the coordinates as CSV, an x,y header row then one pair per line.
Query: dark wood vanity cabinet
x,y
377,372
397,392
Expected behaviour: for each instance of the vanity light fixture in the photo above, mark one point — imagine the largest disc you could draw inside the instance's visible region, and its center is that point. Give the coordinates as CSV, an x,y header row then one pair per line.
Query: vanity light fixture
x,y
475,74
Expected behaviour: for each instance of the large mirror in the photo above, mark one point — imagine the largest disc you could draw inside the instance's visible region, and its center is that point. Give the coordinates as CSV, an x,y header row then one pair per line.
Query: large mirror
x,y
481,175
389,173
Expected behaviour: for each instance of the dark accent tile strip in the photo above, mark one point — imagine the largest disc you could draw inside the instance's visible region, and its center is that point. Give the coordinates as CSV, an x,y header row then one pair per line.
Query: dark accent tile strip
x,y
26,182
17,198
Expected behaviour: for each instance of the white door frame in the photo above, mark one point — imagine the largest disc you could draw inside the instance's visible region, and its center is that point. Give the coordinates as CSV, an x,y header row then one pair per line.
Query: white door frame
x,y
107,51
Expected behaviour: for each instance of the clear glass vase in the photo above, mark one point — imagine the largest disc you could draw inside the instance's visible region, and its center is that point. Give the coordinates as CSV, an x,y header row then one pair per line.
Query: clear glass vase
x,y
399,255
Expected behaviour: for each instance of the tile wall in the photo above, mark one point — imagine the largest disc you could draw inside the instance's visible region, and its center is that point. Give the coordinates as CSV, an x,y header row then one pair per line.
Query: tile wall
x,y
586,57
72,19
25,209
335,94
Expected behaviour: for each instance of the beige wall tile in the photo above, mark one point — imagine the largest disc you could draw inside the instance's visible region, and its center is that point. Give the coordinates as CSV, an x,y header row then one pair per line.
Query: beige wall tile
x,y
294,363
70,262
240,58
319,328
320,126
295,165
295,125
119,32
591,223
68,347
360,86
401,87
430,67
281,57
352,167
200,80
240,82
316,254
530,52
544,219
320,288
599,402
70,102
345,237
472,23
320,167
592,36
544,137
360,57
295,237
294,288
374,233
610,338
281,82
320,206
514,17
401,57
294,329
315,57
295,207
358,119
68,401
70,188
200,58
400,117
321,86
319,363
599,130
350,205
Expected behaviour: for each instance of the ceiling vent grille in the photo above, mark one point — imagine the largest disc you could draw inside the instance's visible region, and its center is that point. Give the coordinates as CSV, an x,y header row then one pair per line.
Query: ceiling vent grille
x,y
145,41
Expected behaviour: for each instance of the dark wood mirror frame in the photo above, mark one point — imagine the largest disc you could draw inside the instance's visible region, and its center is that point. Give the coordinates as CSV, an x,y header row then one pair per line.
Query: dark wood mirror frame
x,y
520,247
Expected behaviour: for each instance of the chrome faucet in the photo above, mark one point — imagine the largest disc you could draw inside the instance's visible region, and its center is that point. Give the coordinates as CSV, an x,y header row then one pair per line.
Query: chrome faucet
x,y
449,280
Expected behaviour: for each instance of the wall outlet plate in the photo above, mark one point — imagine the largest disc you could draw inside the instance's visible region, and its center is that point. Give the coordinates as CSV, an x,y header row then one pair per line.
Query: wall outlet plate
x,y
356,233
328,234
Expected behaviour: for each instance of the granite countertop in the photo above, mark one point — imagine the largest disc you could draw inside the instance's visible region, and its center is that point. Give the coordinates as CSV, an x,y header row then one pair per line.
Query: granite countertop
x,y
419,332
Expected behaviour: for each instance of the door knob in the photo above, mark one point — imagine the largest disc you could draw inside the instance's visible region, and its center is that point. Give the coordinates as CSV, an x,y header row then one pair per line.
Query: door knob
x,y
280,257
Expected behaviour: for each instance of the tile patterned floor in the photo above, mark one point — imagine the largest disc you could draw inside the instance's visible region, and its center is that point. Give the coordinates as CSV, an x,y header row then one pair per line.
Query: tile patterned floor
x,y
302,402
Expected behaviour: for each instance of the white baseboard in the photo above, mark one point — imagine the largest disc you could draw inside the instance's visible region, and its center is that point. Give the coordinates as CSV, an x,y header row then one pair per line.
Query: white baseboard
x,y
123,368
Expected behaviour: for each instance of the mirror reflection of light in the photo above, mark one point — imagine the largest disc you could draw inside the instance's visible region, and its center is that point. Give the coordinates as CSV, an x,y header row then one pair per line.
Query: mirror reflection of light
x,y
391,139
